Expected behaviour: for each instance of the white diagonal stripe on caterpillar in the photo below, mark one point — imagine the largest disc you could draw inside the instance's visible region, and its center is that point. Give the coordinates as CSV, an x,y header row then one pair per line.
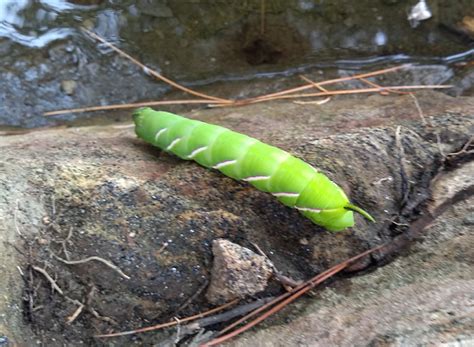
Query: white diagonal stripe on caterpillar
x,y
256,163
173,143
308,209
224,163
256,178
161,131
290,195
196,152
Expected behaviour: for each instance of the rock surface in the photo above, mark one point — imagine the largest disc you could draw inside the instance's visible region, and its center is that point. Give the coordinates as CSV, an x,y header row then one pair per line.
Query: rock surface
x,y
237,272
447,185
98,191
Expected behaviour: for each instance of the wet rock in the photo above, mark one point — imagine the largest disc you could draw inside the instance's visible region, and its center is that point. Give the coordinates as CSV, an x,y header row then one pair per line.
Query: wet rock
x,y
237,272
201,41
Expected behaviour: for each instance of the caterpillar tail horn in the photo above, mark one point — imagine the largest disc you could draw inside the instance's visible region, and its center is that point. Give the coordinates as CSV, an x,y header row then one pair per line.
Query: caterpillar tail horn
x,y
360,211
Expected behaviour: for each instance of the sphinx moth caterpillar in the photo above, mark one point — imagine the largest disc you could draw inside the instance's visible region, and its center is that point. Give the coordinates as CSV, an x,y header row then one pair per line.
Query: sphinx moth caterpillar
x,y
292,181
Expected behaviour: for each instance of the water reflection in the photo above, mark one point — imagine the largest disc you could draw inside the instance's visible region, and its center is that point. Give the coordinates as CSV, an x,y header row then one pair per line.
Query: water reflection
x,y
201,42
17,25
9,10
380,38
59,5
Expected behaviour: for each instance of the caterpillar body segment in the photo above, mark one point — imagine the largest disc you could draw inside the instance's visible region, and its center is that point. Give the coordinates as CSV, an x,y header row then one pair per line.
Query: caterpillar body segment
x,y
292,181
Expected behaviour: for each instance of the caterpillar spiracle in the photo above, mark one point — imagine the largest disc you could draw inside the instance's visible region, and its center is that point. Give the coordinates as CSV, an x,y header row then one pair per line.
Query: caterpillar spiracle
x,y
292,181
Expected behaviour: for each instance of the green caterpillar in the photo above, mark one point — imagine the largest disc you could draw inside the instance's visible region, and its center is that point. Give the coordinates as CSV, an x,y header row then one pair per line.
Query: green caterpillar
x,y
292,181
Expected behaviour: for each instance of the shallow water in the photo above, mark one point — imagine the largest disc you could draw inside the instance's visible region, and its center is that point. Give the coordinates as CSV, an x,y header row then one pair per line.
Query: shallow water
x,y
47,63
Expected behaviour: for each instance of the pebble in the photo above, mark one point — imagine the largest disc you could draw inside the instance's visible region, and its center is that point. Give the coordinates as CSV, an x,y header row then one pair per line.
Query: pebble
x,y
68,86
237,272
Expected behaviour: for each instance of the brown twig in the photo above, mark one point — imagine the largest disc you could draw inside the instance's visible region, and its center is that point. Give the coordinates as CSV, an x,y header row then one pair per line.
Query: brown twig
x,y
103,318
405,186
127,106
54,285
226,316
15,218
171,323
370,83
22,274
162,248
418,108
198,326
331,81
64,242
463,149
316,85
427,122
287,282
316,102
75,314
146,69
219,102
237,102
96,258
332,92
30,291
178,330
